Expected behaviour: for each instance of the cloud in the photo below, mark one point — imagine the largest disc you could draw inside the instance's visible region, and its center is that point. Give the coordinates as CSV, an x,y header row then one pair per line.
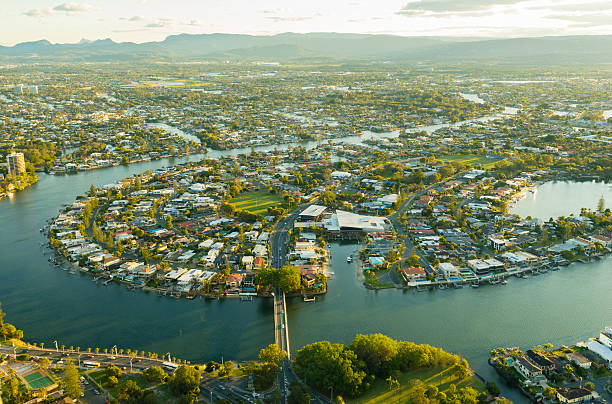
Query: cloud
x,y
446,6
283,15
289,19
74,8
39,12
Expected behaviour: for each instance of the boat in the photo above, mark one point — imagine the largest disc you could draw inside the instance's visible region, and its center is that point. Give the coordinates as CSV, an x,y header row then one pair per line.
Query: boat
x,y
504,282
475,285
310,299
349,259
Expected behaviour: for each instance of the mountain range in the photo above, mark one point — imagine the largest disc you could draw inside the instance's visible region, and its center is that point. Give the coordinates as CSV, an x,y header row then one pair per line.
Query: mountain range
x,y
591,49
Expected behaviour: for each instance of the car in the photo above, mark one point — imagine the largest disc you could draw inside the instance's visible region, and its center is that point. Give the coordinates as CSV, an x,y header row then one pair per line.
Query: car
x,y
96,392
90,356
82,378
112,357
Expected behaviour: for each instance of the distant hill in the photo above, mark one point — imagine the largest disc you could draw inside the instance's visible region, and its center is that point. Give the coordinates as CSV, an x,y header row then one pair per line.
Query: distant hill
x,y
550,50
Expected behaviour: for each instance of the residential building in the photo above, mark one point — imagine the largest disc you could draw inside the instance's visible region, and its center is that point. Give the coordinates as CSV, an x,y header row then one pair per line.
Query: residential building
x,y
574,395
16,164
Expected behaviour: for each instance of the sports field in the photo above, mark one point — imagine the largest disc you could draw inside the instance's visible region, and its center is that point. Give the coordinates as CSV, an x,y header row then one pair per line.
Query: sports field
x,y
472,160
256,202
37,379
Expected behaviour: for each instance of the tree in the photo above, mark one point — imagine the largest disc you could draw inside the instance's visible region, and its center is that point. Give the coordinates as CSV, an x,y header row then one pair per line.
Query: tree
x,y
298,394
112,381
601,204
72,383
228,367
168,222
462,369
130,393
272,354
377,351
154,374
185,380
589,386
113,371
331,366
549,392
493,389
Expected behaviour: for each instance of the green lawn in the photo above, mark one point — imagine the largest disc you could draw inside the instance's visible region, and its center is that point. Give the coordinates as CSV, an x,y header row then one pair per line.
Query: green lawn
x,y
471,159
256,202
439,377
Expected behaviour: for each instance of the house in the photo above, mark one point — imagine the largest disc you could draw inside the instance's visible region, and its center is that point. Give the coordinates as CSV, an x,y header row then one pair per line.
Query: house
x,y
260,250
234,280
574,395
526,368
579,360
603,240
488,265
247,262
540,360
497,242
412,274
448,270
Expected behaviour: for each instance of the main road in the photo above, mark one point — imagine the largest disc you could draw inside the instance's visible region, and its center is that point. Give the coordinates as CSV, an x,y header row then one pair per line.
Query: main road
x,y
58,356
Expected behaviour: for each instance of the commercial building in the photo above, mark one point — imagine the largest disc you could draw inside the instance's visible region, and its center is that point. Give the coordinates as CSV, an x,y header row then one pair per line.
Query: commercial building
x,y
312,213
16,164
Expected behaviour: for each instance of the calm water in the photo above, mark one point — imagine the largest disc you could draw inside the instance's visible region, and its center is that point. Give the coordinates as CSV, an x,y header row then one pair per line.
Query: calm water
x,y
562,198
48,303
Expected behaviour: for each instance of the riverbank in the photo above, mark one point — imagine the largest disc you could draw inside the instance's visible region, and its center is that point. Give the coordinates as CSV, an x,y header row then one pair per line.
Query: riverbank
x,y
580,371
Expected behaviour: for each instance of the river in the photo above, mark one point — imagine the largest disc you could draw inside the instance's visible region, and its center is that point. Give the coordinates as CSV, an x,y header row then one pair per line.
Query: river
x,y
49,304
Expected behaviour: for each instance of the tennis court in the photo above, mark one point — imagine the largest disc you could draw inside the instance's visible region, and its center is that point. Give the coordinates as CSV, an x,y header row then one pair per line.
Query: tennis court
x,y
37,379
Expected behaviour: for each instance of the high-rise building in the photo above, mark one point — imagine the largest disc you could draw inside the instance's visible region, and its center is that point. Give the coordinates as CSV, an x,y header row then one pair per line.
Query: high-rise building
x,y
16,163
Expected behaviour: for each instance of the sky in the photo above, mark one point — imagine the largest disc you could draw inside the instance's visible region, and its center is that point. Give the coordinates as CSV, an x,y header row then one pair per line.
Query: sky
x,y
153,20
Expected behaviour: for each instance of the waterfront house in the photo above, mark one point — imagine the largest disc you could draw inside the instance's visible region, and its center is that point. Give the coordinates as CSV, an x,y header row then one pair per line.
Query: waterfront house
x,y
448,270
234,280
412,274
529,370
540,360
574,395
579,360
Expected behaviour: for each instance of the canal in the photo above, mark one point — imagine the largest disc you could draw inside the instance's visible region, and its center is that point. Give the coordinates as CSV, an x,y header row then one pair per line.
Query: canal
x,y
562,198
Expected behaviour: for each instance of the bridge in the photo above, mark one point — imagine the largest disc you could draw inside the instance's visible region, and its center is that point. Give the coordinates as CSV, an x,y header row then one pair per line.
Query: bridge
x,y
281,327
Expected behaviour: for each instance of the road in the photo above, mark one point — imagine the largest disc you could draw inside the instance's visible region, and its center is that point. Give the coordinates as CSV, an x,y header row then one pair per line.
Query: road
x,y
280,238
57,357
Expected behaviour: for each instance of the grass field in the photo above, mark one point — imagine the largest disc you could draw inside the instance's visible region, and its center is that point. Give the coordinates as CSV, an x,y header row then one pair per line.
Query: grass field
x,y
256,202
442,378
471,159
